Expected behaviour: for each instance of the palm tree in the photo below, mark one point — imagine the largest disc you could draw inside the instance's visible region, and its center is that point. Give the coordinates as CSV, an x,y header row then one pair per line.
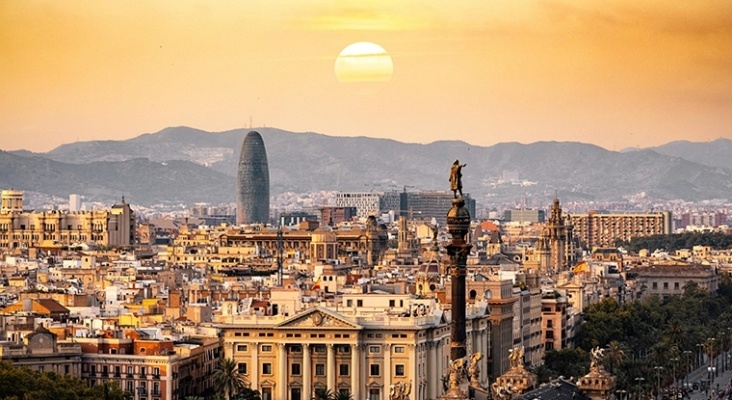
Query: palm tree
x,y
342,396
247,394
323,394
615,355
676,334
227,378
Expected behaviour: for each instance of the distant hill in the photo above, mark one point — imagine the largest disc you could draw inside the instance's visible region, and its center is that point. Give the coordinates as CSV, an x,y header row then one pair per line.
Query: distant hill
x,y
717,153
303,162
141,181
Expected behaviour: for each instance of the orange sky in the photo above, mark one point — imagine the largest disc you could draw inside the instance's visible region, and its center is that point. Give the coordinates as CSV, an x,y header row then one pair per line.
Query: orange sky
x,y
615,73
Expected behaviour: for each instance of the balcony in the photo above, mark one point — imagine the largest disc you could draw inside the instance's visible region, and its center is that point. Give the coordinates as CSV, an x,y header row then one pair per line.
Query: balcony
x,y
156,376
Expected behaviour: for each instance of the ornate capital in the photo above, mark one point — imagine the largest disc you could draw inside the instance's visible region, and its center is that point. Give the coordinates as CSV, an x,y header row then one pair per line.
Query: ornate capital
x,y
387,347
280,346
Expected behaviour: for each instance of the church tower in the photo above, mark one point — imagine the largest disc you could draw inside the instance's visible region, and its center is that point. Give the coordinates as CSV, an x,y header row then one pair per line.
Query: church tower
x,y
556,231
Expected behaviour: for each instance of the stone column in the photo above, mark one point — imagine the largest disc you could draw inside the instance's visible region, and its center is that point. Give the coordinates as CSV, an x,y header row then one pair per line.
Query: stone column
x,y
355,372
254,370
387,372
282,379
306,374
458,224
432,372
364,368
331,369
412,371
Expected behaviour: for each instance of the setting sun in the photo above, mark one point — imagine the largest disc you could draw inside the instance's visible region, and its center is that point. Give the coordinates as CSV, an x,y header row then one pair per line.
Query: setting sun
x,y
364,67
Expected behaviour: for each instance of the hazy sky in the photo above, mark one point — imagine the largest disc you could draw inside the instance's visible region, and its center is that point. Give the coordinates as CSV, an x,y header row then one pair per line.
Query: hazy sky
x,y
615,73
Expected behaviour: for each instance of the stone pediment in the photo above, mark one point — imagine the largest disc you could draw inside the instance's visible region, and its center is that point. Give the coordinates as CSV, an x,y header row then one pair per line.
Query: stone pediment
x,y
318,318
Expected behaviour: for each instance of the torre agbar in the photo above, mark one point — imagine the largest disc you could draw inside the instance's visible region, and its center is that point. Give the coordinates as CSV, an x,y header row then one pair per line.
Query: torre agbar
x,y
252,185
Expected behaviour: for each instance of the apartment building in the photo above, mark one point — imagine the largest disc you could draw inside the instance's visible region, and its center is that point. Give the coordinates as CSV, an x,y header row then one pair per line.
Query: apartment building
x,y
603,229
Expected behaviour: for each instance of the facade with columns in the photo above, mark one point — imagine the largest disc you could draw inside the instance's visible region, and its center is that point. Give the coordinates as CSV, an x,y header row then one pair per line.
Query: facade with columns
x,y
289,357
27,229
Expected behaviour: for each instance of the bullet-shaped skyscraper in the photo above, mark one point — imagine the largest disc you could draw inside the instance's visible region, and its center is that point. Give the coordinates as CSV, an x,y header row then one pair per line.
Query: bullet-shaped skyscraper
x,y
252,184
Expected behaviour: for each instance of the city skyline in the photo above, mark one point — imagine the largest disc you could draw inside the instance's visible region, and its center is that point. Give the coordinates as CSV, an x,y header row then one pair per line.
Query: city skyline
x,y
616,74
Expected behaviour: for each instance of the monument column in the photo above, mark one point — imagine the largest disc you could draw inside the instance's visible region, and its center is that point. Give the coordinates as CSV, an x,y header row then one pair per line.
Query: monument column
x,y
458,224
306,375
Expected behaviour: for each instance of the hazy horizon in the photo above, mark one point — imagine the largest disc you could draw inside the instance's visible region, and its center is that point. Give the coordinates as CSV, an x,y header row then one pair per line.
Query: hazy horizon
x,y
255,128
616,74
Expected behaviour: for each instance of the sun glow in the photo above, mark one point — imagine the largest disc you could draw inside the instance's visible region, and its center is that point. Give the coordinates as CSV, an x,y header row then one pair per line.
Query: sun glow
x,y
364,67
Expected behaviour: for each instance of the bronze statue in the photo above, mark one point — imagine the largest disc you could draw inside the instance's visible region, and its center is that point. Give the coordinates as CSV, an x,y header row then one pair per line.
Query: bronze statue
x,y
597,354
456,179
458,372
474,370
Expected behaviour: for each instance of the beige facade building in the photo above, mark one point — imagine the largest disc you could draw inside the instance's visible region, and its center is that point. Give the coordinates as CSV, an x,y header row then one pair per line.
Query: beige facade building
x,y
599,229
21,229
351,350
666,280
40,351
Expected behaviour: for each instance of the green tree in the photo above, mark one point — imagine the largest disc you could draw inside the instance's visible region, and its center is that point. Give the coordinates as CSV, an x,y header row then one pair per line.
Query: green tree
x,y
227,378
543,373
323,394
615,355
247,394
342,396
24,383
567,362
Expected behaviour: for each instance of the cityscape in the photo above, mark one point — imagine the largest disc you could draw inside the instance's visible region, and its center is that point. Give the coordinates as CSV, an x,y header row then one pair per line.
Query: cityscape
x,y
519,201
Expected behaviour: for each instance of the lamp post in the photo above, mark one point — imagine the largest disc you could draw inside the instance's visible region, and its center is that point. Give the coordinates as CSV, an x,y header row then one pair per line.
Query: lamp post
x,y
620,394
699,354
710,390
658,381
688,366
727,357
675,360
639,380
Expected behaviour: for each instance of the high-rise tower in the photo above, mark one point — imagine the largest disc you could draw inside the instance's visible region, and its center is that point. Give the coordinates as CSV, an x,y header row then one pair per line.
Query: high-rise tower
x,y
252,184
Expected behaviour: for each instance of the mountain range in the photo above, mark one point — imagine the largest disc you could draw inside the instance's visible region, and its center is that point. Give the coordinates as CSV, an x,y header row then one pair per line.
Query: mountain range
x,y
182,165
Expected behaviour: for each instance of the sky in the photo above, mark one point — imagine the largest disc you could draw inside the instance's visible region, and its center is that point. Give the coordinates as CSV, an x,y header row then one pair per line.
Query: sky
x,y
615,73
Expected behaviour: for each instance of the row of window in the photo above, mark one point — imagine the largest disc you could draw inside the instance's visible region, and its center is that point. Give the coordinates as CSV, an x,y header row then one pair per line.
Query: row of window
x,y
318,348
343,369
118,370
665,285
